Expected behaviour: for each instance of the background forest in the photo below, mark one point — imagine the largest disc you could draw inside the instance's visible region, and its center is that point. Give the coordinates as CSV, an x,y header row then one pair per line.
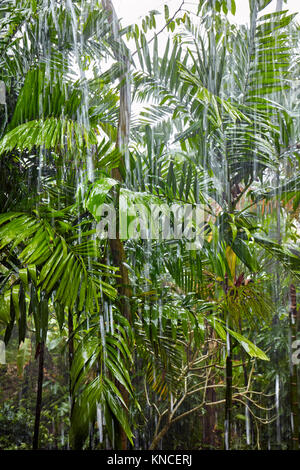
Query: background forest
x,y
140,343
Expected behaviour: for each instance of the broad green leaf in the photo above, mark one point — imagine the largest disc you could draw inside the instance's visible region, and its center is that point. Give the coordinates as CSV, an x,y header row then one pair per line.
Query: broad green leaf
x,y
98,194
248,346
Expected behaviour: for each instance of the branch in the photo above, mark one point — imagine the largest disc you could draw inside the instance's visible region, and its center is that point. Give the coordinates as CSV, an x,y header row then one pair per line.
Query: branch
x,y
165,26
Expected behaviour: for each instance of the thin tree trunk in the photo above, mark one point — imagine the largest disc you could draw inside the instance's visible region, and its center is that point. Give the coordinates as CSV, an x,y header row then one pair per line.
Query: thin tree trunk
x,y
209,440
228,388
245,373
228,398
159,436
71,352
70,339
38,408
209,419
116,245
276,316
294,373
248,416
277,288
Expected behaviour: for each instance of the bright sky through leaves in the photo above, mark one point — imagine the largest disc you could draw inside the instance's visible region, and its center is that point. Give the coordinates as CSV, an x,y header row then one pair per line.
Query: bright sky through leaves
x,y
132,10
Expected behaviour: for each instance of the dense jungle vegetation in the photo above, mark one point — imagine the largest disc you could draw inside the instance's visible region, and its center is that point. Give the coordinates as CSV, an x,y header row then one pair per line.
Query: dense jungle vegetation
x,y
140,343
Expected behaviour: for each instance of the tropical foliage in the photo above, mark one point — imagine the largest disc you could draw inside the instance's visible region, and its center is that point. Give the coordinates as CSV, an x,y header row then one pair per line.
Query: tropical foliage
x,y
145,342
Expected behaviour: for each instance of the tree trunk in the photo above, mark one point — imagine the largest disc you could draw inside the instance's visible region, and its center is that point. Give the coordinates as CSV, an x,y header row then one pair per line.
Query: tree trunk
x,y
159,436
276,316
209,419
248,416
228,389
228,397
209,439
116,245
38,408
293,372
71,353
